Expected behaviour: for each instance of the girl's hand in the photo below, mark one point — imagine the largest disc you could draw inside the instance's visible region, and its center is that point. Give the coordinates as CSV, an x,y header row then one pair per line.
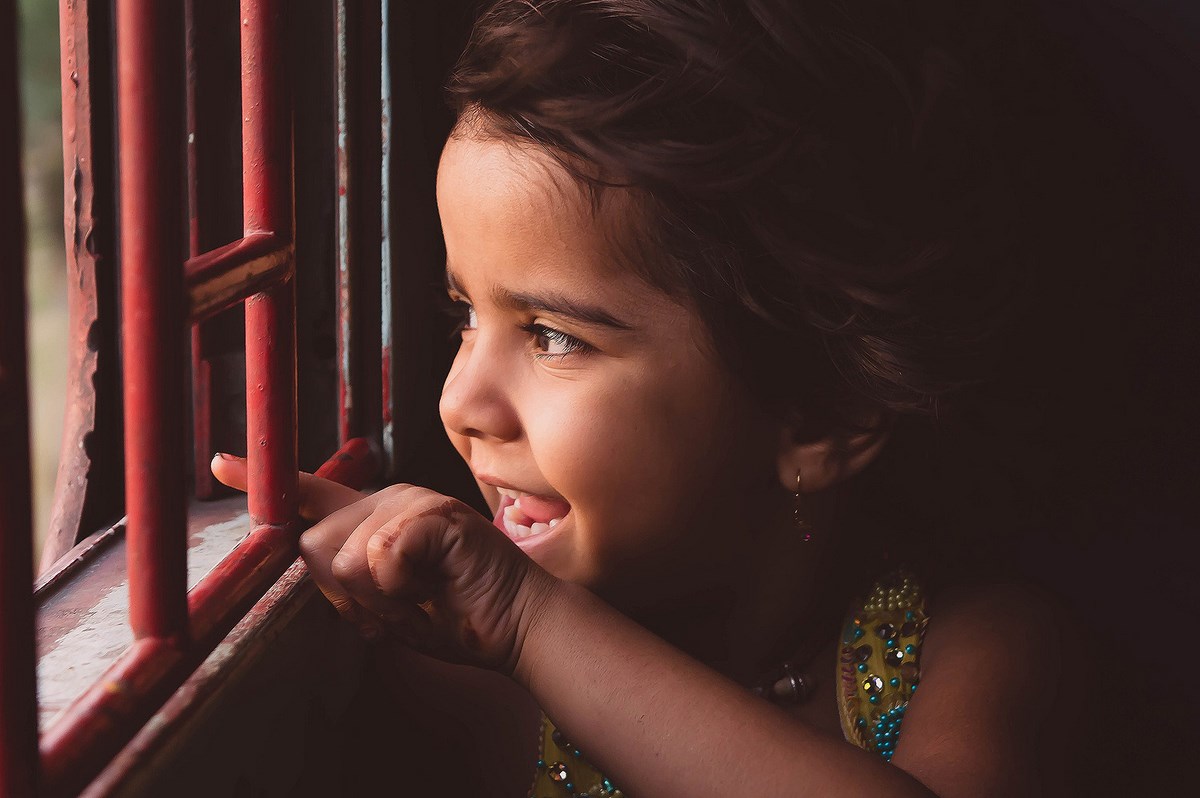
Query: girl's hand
x,y
417,565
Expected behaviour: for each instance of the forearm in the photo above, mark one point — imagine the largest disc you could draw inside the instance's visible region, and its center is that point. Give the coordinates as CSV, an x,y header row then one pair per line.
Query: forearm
x,y
662,724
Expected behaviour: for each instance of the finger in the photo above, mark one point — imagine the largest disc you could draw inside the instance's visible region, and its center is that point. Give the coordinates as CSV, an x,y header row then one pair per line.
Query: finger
x,y
352,566
229,470
318,497
398,552
320,544
349,565
321,497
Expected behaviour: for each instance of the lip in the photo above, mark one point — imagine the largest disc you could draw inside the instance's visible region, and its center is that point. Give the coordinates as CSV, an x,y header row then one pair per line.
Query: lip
x,y
493,482
496,482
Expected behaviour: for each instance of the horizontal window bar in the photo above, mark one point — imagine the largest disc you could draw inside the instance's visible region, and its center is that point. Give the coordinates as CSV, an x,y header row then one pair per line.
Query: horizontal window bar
x,y
220,279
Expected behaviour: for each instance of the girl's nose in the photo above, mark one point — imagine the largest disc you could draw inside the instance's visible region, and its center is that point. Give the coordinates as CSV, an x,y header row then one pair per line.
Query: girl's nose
x,y
475,398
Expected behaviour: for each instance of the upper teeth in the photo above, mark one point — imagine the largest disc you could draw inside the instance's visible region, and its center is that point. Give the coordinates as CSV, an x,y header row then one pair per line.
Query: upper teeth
x,y
512,494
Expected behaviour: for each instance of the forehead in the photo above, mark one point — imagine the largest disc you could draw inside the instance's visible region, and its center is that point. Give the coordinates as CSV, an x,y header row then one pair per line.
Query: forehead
x,y
511,189
512,209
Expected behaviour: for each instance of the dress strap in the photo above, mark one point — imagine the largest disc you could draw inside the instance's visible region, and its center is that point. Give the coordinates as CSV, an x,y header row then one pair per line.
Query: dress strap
x,y
562,772
879,666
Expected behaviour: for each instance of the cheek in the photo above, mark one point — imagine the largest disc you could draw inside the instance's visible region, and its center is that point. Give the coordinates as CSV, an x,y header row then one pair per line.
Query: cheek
x,y
630,449
566,431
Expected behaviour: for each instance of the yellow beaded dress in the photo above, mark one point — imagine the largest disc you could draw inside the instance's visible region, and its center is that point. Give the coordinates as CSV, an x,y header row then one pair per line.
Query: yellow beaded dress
x,y
878,669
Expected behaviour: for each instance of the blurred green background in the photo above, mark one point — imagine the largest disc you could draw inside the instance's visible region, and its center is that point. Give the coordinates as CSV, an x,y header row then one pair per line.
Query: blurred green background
x,y
38,39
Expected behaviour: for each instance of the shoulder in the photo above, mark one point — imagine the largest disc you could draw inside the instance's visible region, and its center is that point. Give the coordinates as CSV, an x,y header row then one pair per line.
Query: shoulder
x,y
997,622
996,711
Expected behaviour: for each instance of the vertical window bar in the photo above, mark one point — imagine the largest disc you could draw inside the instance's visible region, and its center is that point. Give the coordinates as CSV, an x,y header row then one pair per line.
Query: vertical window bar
x,y
104,717
202,385
270,315
345,283
18,692
150,104
385,250
359,218
90,488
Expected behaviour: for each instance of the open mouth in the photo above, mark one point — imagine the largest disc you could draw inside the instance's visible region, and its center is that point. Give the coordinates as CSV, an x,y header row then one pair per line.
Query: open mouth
x,y
524,516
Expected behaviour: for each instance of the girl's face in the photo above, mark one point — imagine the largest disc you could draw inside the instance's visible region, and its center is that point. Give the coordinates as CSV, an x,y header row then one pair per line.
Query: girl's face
x,y
611,444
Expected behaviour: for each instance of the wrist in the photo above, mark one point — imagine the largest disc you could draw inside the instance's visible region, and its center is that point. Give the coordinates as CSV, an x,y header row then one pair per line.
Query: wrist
x,y
543,594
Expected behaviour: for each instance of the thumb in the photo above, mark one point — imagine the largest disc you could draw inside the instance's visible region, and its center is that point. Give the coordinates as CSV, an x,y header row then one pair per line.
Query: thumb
x,y
318,497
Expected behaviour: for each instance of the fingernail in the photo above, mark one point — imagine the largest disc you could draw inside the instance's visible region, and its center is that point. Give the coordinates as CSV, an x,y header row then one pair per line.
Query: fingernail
x,y
226,456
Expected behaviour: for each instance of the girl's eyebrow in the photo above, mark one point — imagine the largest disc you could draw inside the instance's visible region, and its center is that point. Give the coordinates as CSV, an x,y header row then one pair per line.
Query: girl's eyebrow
x,y
452,283
559,305
548,303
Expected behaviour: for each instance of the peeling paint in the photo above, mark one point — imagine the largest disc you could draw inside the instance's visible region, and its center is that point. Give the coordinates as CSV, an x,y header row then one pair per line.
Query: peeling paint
x,y
82,654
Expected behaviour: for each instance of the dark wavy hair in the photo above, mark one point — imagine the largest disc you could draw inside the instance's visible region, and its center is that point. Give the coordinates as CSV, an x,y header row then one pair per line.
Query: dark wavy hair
x,y
815,177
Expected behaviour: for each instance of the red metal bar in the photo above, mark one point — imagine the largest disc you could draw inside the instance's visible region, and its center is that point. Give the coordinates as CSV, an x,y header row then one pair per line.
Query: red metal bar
x,y
356,464
215,216
345,233
250,637
97,724
360,217
18,691
89,489
220,279
270,316
204,484
150,90
151,38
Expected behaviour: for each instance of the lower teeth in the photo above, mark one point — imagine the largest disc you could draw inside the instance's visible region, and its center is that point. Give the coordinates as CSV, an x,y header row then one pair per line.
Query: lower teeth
x,y
521,531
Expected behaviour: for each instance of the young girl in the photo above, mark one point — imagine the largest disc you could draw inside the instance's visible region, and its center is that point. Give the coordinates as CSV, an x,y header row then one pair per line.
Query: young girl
x,y
707,253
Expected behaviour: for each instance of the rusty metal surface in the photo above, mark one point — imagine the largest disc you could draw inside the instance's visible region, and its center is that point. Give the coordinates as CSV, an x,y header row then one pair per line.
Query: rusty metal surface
x,y
386,322
84,552
83,630
83,616
359,32
99,684
270,693
249,639
18,727
89,487
136,676
345,281
151,110
220,279
91,729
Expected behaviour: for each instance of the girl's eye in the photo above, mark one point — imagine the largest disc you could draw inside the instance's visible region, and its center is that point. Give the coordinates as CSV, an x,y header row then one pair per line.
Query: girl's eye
x,y
554,343
463,314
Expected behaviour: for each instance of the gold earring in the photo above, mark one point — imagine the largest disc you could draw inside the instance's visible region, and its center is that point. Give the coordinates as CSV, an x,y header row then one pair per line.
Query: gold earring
x,y
802,524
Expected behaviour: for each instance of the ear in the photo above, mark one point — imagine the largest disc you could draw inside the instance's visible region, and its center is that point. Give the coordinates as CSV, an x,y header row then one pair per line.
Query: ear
x,y
826,461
